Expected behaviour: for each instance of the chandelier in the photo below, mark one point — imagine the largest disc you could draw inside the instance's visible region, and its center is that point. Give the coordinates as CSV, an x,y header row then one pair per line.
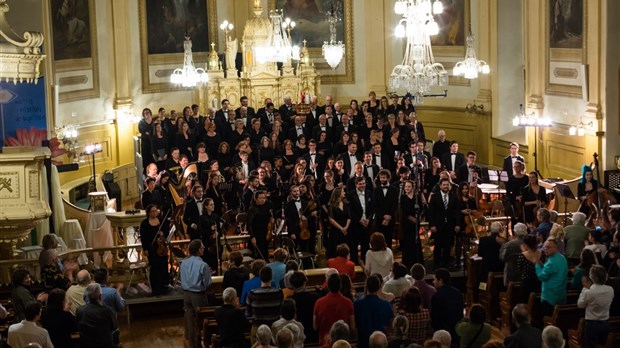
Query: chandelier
x,y
278,47
418,71
332,50
470,66
188,76
523,119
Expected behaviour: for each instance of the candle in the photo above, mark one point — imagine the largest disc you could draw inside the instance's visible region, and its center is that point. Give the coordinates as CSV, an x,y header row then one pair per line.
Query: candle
x,y
307,101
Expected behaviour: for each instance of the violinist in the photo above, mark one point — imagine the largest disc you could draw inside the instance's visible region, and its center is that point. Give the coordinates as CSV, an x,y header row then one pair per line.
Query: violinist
x,y
155,248
586,186
209,228
295,212
533,197
213,193
514,186
259,216
467,210
308,232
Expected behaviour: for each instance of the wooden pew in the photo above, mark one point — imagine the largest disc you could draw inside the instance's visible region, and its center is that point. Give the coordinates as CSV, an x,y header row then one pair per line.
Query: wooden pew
x,y
474,272
565,317
508,300
489,298
575,336
204,322
534,306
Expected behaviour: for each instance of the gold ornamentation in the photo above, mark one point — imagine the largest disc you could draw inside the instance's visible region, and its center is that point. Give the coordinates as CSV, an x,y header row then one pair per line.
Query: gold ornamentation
x,y
9,185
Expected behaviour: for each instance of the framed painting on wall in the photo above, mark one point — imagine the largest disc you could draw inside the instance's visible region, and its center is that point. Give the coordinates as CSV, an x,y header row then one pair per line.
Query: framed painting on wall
x,y
163,27
73,34
565,46
310,17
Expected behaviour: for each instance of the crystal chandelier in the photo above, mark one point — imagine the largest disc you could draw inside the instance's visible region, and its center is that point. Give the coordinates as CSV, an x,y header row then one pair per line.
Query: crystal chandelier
x,y
332,50
470,66
188,76
418,71
523,119
278,47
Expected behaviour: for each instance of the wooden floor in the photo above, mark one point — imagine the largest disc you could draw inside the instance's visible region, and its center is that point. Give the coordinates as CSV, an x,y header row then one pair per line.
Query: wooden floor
x,y
154,325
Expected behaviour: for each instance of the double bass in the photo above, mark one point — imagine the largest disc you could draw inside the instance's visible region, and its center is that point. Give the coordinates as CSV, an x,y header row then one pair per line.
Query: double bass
x,y
599,202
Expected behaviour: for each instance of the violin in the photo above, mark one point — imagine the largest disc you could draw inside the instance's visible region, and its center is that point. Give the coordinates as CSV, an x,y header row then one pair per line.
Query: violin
x,y
162,246
599,202
304,233
270,230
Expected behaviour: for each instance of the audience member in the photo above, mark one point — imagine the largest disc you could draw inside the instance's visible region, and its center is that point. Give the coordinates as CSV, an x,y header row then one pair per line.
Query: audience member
x,y
398,282
525,336
488,249
552,337
586,260
264,338
552,275
399,332
3,312
284,339
341,344
346,287
596,298
75,293
305,301
447,304
21,295
387,296
371,312
379,258
288,309
111,296
377,340
236,275
285,283
419,318
278,267
595,243
254,281
231,321
509,253
331,308
443,337
263,303
341,262
25,332
418,272
339,331
57,319
526,262
195,279
575,237
473,332
96,322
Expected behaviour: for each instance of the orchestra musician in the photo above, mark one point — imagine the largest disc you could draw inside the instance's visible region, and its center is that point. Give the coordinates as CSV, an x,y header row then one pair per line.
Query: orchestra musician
x,y
409,206
585,187
511,159
295,212
213,192
250,189
339,221
443,212
361,209
326,188
259,216
514,188
155,248
193,211
453,160
306,191
316,162
534,196
209,228
467,210
385,199
469,171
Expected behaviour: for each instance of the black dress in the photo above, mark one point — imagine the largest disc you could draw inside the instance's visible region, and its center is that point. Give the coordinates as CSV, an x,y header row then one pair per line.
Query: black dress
x,y
529,280
530,196
336,236
212,142
207,224
581,191
412,249
158,263
159,146
186,146
60,325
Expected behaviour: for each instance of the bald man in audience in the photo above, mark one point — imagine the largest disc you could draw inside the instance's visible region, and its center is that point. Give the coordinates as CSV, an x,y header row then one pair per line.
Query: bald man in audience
x,y
377,340
75,293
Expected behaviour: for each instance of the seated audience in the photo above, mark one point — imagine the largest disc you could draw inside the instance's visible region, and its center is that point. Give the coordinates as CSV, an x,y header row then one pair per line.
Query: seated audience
x,y
552,337
27,332
285,339
264,338
339,331
473,332
377,340
75,293
21,295
443,337
231,321
57,319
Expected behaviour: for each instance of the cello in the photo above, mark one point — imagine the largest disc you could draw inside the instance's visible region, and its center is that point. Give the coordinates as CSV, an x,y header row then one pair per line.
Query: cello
x,y
599,202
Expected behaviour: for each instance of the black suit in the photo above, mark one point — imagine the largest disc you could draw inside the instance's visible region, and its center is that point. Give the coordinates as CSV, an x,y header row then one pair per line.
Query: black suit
x,y
149,197
347,162
191,215
525,336
447,310
292,217
385,204
287,111
384,160
316,131
251,114
292,133
414,157
444,220
462,173
313,117
507,167
447,161
320,161
375,171
359,234
340,129
222,124
441,148
350,184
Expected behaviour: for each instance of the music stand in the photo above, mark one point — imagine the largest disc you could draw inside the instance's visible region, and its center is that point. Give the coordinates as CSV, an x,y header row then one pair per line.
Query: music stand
x,y
171,233
565,191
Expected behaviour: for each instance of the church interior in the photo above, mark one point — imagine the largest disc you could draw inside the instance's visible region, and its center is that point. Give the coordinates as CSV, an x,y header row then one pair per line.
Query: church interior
x,y
529,83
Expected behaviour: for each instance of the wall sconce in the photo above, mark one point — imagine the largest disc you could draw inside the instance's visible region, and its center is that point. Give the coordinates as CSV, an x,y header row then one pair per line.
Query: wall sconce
x,y
474,108
580,129
68,136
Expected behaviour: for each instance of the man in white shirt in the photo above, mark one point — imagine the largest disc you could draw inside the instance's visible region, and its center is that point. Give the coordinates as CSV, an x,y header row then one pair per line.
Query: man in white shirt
x,y
596,298
27,331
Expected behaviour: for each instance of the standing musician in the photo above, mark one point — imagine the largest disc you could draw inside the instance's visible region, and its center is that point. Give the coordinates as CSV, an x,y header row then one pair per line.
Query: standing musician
x,y
467,216
307,240
409,208
443,212
326,188
213,192
385,198
509,161
259,216
361,208
534,197
155,248
209,228
469,171
295,212
316,162
339,221
514,188
250,189
453,160
192,212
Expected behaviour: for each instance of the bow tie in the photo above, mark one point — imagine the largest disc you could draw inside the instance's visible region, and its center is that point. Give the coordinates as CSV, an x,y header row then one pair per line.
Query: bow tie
x,y
453,154
385,187
297,200
312,154
298,128
199,201
514,157
351,155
